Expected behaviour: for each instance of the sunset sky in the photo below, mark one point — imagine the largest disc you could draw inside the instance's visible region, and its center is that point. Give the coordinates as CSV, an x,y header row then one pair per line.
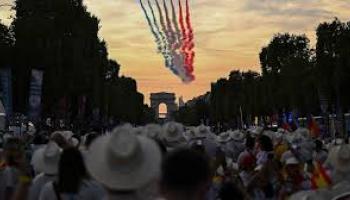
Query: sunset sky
x,y
228,35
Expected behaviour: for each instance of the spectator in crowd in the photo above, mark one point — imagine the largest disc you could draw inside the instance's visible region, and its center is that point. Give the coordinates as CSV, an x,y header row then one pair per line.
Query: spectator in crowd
x,y
45,160
127,165
73,181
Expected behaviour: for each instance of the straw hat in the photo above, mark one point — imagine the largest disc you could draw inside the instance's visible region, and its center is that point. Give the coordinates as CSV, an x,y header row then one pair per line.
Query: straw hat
x,y
173,132
46,158
237,135
224,137
189,133
153,131
202,131
340,158
256,130
292,161
140,130
123,160
302,133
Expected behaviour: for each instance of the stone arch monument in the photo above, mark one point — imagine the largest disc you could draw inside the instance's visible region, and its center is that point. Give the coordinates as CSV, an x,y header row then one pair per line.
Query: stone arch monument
x,y
168,99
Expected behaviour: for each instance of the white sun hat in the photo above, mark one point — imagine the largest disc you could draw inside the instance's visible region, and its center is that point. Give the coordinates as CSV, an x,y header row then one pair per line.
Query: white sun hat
x,y
303,132
46,159
202,131
140,130
224,137
123,160
292,161
189,133
340,158
237,135
153,131
173,133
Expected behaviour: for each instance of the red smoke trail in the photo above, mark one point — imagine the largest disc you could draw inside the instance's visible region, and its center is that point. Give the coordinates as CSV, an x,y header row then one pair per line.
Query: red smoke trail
x,y
184,46
190,43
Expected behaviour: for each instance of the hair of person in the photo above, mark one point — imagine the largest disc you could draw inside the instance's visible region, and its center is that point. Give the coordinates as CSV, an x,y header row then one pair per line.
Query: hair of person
x,y
265,143
318,144
184,170
230,191
90,138
250,142
71,171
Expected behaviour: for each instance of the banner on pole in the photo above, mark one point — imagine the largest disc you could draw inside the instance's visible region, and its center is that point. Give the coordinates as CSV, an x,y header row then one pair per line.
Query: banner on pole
x,y
35,94
6,89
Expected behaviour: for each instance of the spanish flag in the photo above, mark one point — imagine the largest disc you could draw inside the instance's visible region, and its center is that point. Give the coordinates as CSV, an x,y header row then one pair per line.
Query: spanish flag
x,y
313,127
320,178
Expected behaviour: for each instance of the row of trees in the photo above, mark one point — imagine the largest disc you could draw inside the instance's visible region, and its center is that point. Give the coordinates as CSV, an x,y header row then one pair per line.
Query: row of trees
x,y
61,39
293,77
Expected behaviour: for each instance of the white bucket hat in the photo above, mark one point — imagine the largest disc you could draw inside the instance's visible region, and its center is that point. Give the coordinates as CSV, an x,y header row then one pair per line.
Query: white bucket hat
x,y
202,131
292,161
153,131
140,130
46,159
189,133
224,137
302,132
340,158
124,161
237,135
255,130
173,133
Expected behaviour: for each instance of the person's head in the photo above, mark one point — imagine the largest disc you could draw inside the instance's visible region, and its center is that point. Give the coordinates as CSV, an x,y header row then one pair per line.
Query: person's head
x,y
39,139
250,142
71,170
186,175
292,167
265,143
124,162
247,162
59,139
318,145
230,191
13,152
90,138
198,147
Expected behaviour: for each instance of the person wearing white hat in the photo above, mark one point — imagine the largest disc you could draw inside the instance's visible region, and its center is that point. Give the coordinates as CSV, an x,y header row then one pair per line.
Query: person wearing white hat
x,y
124,163
173,135
236,145
295,179
153,131
46,161
339,159
72,181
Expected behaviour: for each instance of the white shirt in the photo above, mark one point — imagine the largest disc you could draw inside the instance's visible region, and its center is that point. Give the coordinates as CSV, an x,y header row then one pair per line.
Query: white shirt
x,y
89,190
37,185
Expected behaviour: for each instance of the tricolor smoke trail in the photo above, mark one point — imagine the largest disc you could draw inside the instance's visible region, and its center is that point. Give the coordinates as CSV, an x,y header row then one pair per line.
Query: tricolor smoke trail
x,y
174,36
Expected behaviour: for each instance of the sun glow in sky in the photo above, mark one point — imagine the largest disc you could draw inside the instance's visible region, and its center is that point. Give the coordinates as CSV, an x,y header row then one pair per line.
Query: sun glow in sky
x,y
228,35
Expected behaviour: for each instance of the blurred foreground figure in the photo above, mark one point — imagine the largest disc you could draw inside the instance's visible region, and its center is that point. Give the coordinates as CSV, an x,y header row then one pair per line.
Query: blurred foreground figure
x,y
186,175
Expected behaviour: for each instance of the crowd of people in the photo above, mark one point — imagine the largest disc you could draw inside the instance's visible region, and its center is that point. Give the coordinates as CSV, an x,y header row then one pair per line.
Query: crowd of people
x,y
174,162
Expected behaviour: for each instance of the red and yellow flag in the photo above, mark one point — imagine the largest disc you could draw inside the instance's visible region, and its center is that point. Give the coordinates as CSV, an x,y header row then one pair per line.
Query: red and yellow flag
x,y
320,178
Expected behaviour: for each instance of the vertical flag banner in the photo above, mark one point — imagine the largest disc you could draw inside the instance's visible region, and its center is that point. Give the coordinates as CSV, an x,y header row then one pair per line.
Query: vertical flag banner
x,y
35,94
6,89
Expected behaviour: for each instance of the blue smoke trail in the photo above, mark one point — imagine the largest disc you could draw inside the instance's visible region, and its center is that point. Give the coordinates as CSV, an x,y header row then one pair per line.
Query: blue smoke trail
x,y
155,34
